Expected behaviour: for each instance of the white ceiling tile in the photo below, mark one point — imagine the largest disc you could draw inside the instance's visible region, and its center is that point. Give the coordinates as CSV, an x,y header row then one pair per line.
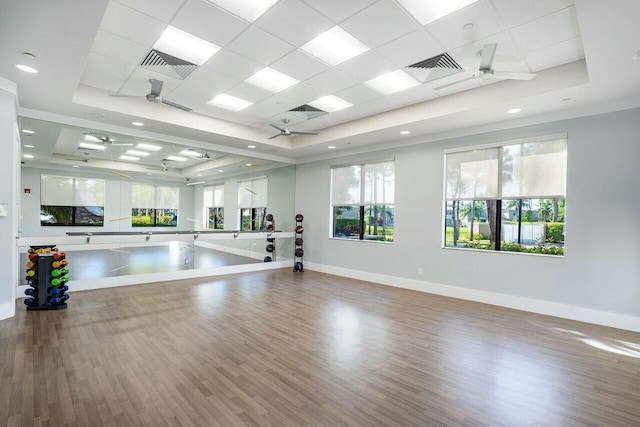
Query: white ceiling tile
x,y
303,92
548,30
294,21
339,10
109,66
415,94
119,48
449,30
260,46
138,83
101,81
163,10
201,87
232,64
275,104
209,22
359,94
369,27
517,13
554,55
367,66
411,48
249,92
299,65
131,24
460,87
332,80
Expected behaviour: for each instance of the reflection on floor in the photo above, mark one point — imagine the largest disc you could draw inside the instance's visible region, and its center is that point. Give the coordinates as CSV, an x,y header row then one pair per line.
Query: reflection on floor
x,y
175,256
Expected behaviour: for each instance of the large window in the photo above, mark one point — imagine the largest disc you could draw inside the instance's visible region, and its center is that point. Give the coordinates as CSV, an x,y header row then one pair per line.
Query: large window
x,y
154,206
71,201
214,207
507,198
252,201
362,201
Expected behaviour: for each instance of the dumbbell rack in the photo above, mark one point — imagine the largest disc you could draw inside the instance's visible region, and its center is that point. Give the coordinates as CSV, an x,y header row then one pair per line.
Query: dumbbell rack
x,y
271,241
42,265
298,252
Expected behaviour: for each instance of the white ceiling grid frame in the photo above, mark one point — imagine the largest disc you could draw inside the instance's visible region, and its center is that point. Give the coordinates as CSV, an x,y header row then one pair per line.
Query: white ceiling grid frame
x,y
411,48
518,13
550,29
260,45
209,22
339,10
164,10
131,24
293,21
117,47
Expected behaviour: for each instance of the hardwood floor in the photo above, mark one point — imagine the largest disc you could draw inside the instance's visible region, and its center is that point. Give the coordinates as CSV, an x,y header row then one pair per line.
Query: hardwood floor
x,y
282,349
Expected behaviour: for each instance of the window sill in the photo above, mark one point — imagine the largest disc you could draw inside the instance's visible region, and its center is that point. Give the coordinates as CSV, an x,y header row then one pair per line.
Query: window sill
x,y
501,252
342,239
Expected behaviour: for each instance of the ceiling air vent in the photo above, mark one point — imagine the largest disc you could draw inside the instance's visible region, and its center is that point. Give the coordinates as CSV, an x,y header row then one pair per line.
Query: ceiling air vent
x,y
434,68
307,112
168,65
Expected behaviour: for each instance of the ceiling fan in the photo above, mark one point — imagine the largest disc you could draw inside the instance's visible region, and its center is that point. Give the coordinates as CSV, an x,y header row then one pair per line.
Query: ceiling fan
x,y
195,154
284,131
163,167
485,72
154,95
106,139
86,158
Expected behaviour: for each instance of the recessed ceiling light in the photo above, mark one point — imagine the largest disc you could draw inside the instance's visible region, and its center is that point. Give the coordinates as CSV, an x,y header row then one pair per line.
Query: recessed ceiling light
x,y
229,102
405,132
137,153
271,80
220,170
75,166
28,146
335,46
92,146
27,63
28,132
149,147
331,147
248,164
247,10
251,146
130,158
177,158
514,110
426,11
185,46
137,123
27,156
330,103
392,82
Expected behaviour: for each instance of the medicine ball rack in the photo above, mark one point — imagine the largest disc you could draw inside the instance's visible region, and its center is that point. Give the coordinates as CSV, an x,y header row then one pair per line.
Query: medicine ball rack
x,y
298,252
271,241
47,278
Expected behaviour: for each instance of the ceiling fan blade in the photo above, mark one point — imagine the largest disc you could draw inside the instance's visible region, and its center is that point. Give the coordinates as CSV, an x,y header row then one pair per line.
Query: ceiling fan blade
x,y
275,136
303,133
119,95
453,83
124,144
120,174
277,127
156,87
173,104
488,53
513,76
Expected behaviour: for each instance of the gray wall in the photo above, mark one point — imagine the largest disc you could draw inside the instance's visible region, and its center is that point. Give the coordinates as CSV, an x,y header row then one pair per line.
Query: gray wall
x,y
117,204
601,268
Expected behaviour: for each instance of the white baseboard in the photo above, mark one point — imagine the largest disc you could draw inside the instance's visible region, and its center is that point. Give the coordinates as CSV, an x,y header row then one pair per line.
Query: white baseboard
x,y
7,309
137,279
582,314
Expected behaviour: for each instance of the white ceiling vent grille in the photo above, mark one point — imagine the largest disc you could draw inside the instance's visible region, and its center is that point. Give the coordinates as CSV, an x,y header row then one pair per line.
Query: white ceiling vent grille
x,y
433,68
168,65
307,112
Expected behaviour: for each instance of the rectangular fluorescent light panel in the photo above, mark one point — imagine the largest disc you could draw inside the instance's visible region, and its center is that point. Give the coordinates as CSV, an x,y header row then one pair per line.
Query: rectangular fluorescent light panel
x,y
335,46
185,46
229,102
249,10
137,153
176,158
91,146
130,158
330,103
426,11
271,80
149,147
392,82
